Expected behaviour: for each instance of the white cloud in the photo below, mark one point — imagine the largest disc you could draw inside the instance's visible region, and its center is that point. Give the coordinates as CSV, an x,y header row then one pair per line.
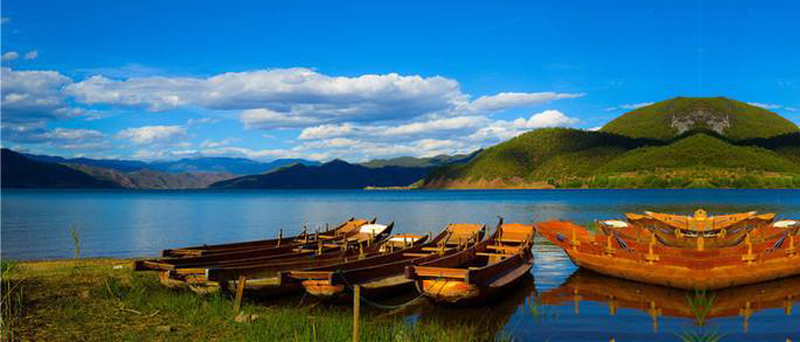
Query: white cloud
x,y
33,54
153,134
34,95
594,129
199,121
509,100
266,118
10,56
790,109
767,106
220,143
5,20
632,106
503,130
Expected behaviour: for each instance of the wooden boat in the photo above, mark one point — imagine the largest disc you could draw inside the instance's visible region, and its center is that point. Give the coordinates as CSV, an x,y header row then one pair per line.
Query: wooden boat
x,y
194,271
384,274
585,285
700,231
354,233
479,271
303,238
654,263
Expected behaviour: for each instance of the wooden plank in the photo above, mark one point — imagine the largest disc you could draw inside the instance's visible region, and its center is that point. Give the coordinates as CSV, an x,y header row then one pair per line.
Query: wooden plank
x,y
237,302
356,311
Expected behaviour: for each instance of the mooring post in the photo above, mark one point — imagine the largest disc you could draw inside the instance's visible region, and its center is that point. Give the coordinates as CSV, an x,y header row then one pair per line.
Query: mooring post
x,y
356,309
237,301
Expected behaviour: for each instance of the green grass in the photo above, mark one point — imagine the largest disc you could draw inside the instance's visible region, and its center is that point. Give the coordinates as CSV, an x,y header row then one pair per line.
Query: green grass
x,y
100,303
700,150
655,121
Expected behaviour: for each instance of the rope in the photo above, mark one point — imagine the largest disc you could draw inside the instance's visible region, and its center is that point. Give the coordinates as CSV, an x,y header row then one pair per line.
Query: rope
x,y
373,303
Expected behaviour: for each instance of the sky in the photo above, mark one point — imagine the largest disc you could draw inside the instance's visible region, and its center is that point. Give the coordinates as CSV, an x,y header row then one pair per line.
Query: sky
x,y
158,80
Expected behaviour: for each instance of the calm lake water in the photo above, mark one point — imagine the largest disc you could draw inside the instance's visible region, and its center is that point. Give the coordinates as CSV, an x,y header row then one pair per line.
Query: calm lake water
x,y
557,303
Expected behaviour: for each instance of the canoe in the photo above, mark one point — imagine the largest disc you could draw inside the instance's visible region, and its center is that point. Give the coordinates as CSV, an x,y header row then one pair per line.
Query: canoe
x,y
303,238
690,269
354,232
700,231
193,272
264,276
384,274
585,285
480,271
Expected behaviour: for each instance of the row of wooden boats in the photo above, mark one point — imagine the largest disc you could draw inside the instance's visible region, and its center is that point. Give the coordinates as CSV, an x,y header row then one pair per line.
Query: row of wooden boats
x,y
459,265
687,252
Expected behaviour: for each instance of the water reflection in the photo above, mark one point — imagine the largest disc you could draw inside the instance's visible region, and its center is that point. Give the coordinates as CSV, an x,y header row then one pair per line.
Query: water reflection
x,y
656,301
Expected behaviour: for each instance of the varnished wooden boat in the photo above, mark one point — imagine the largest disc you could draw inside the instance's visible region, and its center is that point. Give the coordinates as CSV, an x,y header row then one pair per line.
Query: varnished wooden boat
x,y
303,238
264,277
384,274
700,231
479,271
194,271
355,233
654,263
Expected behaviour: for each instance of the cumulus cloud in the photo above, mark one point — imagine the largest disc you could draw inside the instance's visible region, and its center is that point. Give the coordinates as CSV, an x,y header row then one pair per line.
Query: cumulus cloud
x,y
504,130
220,143
10,56
34,54
278,97
153,134
34,95
510,100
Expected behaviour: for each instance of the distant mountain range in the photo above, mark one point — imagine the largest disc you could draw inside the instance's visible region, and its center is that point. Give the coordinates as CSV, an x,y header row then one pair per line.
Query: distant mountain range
x,y
38,171
236,166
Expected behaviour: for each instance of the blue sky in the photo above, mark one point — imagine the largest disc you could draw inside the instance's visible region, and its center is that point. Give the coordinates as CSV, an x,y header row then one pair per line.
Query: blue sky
x,y
372,79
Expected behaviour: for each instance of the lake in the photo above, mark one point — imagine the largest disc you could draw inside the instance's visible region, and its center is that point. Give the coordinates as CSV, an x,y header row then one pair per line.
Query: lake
x,y
557,303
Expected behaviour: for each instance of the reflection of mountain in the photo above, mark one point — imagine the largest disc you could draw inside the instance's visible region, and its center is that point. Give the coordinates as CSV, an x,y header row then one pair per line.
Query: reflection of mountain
x,y
744,301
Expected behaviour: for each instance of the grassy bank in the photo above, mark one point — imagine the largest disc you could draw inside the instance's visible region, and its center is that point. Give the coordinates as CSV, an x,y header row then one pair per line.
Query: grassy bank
x,y
103,300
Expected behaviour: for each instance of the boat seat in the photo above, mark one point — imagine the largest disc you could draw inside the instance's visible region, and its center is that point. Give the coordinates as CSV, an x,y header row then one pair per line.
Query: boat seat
x,y
504,248
326,236
437,249
416,255
494,254
512,240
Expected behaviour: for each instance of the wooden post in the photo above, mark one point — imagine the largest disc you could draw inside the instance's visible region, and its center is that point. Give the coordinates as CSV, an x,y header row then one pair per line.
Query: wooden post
x,y
237,301
356,309
280,237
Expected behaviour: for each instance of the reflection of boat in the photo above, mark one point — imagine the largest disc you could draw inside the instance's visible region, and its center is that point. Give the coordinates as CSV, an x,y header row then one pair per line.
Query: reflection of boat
x,y
480,271
654,263
383,274
656,301
700,231
304,238
208,273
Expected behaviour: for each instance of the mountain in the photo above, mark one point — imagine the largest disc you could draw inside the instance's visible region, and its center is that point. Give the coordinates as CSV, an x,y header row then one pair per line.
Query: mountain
x,y
728,118
19,171
238,166
682,142
336,174
439,160
149,179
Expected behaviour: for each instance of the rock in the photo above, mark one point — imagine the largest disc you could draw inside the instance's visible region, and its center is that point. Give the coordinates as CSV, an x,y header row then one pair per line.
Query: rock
x,y
242,318
253,317
165,328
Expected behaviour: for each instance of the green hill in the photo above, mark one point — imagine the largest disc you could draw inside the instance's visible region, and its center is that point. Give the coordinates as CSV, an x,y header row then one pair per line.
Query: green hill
x,y
683,142
731,119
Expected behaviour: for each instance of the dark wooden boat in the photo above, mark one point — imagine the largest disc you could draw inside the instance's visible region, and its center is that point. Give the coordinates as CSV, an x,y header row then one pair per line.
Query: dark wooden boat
x,y
654,263
700,231
585,285
194,271
384,274
303,238
479,271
